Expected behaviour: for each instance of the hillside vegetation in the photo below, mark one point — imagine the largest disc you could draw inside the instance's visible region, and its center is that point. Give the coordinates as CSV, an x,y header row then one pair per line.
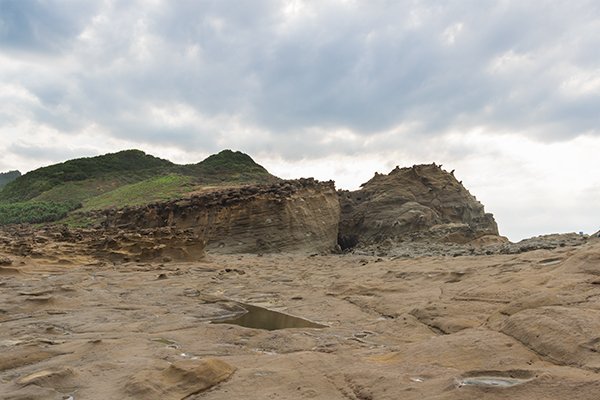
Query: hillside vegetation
x,y
161,188
126,178
33,212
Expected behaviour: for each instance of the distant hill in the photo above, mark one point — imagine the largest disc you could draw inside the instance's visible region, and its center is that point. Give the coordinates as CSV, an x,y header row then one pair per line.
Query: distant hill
x,y
227,165
129,177
6,177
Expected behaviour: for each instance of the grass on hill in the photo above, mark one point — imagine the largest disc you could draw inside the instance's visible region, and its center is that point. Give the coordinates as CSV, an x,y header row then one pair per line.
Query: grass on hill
x,y
161,188
228,166
230,162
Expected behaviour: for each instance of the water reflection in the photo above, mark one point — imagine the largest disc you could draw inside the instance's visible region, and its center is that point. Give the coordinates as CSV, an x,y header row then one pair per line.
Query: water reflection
x,y
262,318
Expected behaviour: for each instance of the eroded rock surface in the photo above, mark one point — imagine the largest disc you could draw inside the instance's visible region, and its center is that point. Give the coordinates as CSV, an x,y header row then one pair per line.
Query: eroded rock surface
x,y
519,326
422,202
501,326
178,380
62,244
289,216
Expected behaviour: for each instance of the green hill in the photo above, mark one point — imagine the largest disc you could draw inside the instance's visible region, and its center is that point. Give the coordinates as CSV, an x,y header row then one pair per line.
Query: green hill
x,y
129,177
227,166
7,177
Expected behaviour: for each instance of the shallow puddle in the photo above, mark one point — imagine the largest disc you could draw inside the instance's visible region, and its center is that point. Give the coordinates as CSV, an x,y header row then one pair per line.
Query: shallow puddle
x,y
262,318
491,381
512,378
551,261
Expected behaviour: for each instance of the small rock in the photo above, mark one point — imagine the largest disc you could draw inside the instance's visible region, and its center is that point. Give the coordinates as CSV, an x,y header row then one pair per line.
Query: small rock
x,y
5,261
190,292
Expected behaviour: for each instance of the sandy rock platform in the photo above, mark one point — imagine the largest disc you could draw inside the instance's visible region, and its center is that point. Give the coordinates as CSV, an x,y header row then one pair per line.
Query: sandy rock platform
x,y
514,326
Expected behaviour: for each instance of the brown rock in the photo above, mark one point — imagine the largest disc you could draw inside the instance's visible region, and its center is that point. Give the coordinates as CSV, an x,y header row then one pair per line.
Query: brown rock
x,y
421,202
179,380
24,356
51,377
5,261
565,335
290,216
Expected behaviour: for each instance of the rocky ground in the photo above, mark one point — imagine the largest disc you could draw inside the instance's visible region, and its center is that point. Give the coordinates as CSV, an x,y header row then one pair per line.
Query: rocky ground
x,y
505,325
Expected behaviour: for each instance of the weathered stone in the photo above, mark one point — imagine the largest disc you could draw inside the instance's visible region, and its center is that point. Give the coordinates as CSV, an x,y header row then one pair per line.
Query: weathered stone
x,y
421,202
179,380
296,216
5,261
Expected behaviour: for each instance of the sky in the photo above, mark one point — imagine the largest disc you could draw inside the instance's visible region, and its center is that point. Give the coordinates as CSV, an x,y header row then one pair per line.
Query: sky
x,y
507,93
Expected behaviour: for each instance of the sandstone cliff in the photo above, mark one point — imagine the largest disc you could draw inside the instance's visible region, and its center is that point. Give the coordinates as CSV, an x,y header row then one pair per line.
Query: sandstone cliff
x,y
422,202
300,215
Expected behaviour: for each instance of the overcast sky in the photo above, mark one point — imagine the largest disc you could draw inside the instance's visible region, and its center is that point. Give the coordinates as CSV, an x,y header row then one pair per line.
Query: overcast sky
x,y
507,93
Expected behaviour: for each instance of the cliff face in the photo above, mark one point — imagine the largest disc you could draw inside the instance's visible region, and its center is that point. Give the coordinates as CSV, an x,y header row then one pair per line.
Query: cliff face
x,y
420,202
301,215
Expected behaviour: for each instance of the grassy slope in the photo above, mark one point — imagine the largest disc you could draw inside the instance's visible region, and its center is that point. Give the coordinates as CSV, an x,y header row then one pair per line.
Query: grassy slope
x,y
156,189
227,166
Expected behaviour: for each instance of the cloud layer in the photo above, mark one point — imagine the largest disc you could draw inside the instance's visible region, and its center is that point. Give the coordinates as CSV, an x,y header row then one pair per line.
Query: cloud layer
x,y
370,83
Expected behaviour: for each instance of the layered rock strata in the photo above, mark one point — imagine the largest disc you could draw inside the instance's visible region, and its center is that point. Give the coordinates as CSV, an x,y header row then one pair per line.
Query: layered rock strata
x,y
293,216
422,202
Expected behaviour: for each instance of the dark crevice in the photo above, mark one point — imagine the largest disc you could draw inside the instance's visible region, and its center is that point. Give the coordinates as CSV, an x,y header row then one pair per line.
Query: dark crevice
x,y
347,242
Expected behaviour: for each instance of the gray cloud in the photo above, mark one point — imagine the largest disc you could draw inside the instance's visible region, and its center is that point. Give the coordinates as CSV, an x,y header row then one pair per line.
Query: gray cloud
x,y
41,26
364,66
49,153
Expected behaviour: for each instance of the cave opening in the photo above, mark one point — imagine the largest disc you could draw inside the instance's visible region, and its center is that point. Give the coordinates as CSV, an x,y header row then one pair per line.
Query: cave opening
x,y
347,242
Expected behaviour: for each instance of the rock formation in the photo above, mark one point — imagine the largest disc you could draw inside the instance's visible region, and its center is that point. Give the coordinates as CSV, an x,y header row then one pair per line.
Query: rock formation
x,y
422,202
156,244
299,215
178,380
161,244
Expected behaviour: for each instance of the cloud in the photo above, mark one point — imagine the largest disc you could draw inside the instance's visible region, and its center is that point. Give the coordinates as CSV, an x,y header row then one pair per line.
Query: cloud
x,y
41,26
50,153
291,68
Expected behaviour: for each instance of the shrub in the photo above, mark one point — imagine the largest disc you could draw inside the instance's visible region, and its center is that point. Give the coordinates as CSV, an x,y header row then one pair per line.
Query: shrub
x,y
34,212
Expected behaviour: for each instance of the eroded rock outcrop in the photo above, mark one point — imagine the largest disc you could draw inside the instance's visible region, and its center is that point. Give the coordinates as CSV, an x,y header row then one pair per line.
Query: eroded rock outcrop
x,y
300,215
179,380
422,202
148,245
57,242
